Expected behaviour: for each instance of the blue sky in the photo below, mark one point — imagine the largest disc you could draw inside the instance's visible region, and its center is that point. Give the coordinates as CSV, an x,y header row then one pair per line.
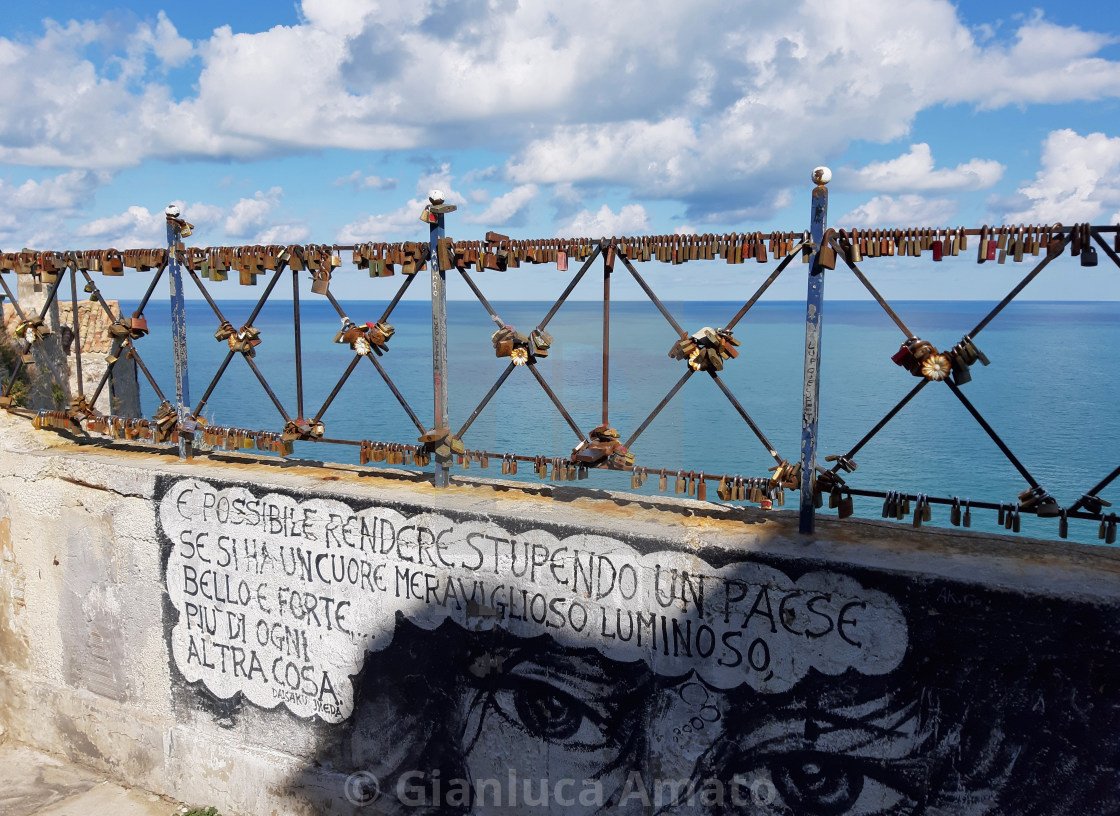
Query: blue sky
x,y
328,120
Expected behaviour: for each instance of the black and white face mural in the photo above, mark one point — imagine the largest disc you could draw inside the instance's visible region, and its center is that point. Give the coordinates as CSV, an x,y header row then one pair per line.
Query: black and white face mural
x,y
473,669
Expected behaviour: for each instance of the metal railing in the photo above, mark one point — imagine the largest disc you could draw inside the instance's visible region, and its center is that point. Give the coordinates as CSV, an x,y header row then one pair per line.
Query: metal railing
x,y
442,446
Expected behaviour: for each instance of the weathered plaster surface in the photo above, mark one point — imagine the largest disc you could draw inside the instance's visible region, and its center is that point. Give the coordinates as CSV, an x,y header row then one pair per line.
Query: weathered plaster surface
x,y
284,639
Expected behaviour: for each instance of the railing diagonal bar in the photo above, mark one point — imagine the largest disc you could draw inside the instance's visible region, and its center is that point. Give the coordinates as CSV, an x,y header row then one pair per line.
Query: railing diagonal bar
x,y
1096,489
991,433
556,401
485,400
213,383
206,294
762,289
407,282
1019,288
400,398
268,291
267,389
338,387
99,297
101,385
15,301
1107,249
653,298
874,292
151,289
660,406
130,350
570,287
746,417
481,297
25,345
867,437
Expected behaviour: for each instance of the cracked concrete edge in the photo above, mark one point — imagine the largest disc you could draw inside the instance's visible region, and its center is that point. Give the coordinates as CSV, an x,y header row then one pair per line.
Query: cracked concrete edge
x,y
1055,568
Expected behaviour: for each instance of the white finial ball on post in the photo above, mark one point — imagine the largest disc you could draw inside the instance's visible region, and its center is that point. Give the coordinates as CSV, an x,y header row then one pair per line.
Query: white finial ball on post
x,y
822,175
436,196
172,211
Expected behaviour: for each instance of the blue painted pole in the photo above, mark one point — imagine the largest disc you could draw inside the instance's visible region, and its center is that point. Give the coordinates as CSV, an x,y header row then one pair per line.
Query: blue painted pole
x,y
441,466
179,332
811,391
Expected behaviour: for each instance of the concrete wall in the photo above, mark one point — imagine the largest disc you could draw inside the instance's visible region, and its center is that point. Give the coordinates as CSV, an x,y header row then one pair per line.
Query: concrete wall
x,y
280,639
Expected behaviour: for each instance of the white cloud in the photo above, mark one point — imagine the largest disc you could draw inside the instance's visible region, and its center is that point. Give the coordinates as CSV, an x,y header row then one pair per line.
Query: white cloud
x,y
63,192
283,234
360,181
135,227
1079,181
405,220
250,214
164,41
33,213
632,219
914,171
906,210
722,111
507,208
139,227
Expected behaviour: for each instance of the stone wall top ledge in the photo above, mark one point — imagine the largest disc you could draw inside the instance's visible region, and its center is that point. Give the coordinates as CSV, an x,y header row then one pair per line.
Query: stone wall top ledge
x,y
647,522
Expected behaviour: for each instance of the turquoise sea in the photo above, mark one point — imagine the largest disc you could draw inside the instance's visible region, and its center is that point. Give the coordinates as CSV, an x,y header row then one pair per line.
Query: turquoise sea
x,y
1051,391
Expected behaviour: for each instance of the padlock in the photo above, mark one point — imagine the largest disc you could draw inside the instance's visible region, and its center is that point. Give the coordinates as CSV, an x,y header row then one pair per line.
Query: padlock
x,y
959,368
1001,518
826,257
955,513
702,488
903,357
1110,532
681,485
846,507
1089,256
1063,524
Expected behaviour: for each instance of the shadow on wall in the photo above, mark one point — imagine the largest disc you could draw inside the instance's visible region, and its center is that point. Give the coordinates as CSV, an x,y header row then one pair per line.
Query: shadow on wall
x,y
428,665
1001,705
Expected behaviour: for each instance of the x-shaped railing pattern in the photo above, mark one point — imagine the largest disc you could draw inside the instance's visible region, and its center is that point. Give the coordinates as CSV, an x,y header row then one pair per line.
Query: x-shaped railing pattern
x,y
953,373
702,352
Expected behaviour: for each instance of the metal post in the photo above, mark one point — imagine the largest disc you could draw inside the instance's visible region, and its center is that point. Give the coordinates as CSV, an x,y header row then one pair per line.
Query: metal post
x,y
179,332
441,469
606,331
811,390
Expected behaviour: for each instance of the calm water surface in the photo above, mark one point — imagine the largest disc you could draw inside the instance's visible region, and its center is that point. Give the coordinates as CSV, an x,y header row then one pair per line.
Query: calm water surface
x,y
1051,391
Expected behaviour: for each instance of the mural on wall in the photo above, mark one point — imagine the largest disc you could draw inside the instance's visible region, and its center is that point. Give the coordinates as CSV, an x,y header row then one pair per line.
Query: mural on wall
x,y
475,669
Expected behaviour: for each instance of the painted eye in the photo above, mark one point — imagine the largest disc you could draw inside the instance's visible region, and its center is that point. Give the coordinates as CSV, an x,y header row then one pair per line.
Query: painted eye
x,y
548,714
818,785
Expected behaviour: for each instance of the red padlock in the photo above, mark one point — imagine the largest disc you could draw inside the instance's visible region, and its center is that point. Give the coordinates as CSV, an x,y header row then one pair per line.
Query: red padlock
x,y
903,357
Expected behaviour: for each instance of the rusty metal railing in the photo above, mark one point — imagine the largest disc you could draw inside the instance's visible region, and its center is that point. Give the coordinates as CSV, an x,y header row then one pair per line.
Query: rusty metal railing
x,y
603,447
